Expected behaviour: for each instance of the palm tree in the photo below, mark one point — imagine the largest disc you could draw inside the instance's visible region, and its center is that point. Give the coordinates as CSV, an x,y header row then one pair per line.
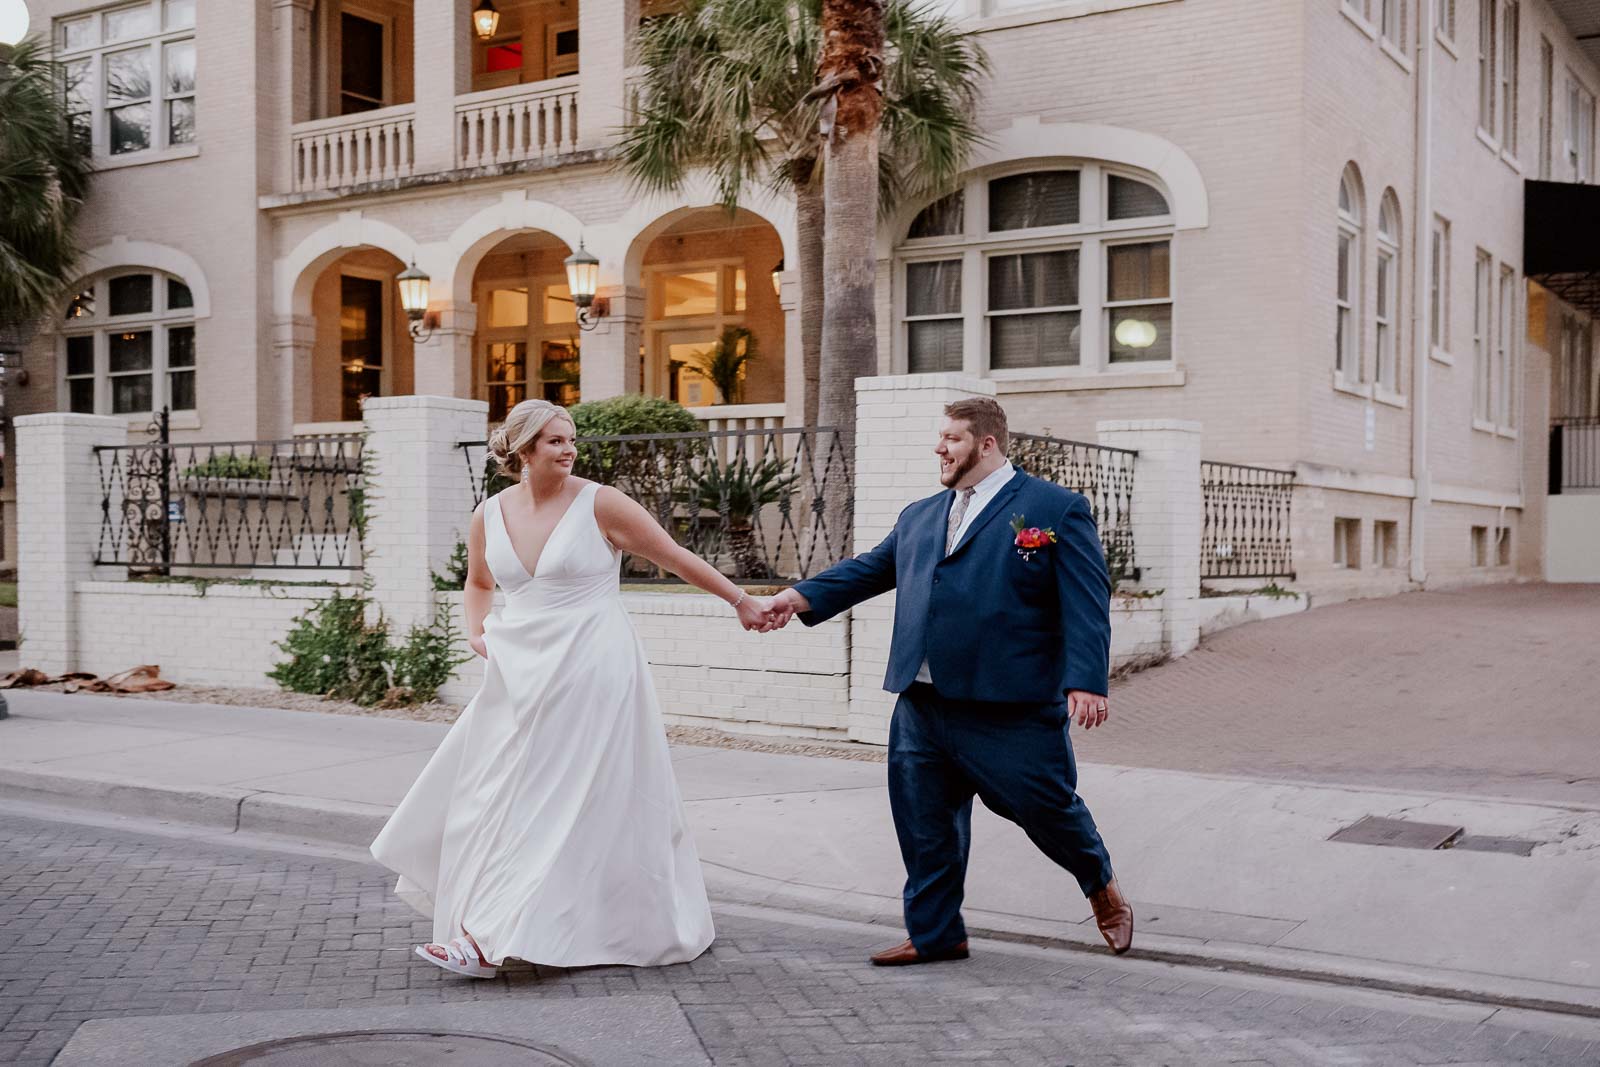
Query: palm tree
x,y
733,86
44,175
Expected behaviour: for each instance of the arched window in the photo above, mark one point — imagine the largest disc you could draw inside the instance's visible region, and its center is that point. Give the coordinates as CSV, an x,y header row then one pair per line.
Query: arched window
x,y
128,345
1043,270
1347,353
1386,312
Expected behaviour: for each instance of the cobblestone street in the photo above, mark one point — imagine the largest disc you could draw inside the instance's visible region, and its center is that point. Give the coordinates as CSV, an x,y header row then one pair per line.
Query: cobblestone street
x,y
105,922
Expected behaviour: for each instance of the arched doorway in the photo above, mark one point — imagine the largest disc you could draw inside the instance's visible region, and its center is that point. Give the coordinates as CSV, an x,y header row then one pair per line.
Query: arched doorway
x,y
708,279
362,346
528,342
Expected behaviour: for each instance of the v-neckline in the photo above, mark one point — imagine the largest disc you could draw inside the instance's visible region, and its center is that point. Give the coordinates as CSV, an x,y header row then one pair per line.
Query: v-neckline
x,y
500,510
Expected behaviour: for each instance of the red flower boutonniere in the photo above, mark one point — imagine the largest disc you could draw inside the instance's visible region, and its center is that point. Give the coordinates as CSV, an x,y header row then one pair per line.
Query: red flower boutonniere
x,y
1030,539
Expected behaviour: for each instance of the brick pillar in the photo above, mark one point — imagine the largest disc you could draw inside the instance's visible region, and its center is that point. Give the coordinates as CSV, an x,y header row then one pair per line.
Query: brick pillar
x,y
442,47
58,528
897,426
294,339
292,74
419,496
1166,518
443,364
609,353
605,33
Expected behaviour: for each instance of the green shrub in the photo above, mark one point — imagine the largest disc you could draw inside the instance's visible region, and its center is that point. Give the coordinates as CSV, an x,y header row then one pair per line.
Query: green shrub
x,y
230,465
633,413
334,652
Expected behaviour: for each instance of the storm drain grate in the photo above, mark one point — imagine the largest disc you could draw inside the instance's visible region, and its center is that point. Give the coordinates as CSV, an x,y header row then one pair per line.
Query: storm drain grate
x,y
1397,833
1511,846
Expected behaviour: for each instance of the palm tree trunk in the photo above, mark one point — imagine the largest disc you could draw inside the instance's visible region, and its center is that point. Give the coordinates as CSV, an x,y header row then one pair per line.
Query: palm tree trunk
x,y
852,59
809,221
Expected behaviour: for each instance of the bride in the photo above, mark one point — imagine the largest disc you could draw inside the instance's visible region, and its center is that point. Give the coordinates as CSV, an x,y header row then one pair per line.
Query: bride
x,y
548,826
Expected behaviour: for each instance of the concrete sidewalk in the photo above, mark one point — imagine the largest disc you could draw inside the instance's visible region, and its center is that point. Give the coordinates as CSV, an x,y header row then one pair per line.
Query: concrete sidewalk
x,y
1225,869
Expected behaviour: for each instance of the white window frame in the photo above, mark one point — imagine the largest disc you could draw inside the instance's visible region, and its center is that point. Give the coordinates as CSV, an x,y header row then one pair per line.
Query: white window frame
x,y
94,54
1392,23
160,321
1090,237
1445,20
1439,290
1579,141
1386,309
903,286
1547,80
1348,362
1509,72
1488,37
533,336
1505,379
1482,340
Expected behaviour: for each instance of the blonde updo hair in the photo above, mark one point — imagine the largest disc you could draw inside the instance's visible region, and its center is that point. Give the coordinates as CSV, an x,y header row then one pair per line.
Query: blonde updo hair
x,y
521,430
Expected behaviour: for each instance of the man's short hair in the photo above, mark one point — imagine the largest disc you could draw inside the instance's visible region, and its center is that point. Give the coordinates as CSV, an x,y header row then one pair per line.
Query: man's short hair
x,y
984,416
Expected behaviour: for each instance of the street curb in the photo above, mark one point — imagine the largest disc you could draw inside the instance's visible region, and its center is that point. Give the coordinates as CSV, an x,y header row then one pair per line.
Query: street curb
x,y
350,823
741,887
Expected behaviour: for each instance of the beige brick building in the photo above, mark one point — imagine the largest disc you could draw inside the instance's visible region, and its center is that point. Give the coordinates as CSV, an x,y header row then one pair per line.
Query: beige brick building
x,y
1299,223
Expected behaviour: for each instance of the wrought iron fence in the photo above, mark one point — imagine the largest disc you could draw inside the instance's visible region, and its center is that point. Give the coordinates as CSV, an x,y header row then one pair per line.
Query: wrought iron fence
x,y
1574,455
1246,521
757,504
1104,475
231,505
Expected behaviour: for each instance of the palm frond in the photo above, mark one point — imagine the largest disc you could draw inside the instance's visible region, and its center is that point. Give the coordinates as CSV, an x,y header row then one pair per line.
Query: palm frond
x,y
44,176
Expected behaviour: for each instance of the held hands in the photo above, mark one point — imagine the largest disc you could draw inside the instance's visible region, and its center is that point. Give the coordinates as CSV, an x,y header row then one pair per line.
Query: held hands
x,y
765,614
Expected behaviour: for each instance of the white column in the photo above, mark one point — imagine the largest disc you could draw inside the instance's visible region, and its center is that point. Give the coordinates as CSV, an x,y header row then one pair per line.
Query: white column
x,y
609,353
58,528
794,370
419,497
897,425
605,31
294,340
442,71
1167,518
291,68
442,366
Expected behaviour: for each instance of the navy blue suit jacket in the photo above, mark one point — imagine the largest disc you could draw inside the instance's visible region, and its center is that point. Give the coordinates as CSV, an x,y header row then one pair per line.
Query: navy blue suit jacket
x,y
992,625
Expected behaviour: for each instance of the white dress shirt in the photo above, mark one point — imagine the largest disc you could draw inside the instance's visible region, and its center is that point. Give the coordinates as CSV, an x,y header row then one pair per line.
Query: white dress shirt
x,y
984,492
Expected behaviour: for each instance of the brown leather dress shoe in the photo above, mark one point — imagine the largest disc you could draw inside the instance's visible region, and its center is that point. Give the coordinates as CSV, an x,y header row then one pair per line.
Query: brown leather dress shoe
x,y
905,954
1114,916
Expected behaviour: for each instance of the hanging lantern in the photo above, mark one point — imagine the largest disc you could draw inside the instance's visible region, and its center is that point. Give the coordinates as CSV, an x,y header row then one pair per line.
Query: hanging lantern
x,y
485,20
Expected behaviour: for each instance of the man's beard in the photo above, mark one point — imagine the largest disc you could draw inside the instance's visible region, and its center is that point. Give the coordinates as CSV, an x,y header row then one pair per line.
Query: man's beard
x,y
959,471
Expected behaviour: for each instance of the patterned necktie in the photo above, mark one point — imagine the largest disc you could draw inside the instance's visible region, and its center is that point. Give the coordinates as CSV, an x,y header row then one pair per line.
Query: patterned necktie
x,y
957,513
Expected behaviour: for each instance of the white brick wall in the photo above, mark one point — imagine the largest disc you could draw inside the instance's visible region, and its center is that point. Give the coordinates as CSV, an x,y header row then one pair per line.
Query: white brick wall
x,y
220,635
59,526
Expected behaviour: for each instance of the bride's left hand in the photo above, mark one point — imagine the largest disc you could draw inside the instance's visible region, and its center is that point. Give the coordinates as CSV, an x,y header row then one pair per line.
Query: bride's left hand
x,y
753,612
479,645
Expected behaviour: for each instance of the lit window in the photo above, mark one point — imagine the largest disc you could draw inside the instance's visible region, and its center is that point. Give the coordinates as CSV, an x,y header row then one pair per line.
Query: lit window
x,y
1018,248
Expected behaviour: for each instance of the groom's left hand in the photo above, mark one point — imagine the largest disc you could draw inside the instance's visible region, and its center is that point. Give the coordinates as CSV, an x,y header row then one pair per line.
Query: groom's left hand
x,y
1090,709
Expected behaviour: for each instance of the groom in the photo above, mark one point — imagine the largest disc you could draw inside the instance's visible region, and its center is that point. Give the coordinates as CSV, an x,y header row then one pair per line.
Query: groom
x,y
1002,633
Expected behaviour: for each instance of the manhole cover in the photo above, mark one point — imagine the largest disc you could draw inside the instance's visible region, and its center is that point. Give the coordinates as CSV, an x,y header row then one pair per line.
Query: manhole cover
x,y
1512,846
1396,833
391,1048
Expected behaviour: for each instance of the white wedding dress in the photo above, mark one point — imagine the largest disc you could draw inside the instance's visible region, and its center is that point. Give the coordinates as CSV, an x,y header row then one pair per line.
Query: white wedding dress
x,y
548,824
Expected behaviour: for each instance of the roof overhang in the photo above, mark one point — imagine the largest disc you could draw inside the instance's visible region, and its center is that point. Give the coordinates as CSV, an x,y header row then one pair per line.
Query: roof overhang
x,y
1561,240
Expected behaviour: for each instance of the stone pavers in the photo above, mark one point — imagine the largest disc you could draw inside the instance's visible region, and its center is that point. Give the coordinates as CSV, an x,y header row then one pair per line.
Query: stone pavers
x,y
99,922
1489,690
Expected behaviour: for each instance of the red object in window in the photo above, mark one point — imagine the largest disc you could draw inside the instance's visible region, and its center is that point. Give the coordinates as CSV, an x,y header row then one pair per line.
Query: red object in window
x,y
504,57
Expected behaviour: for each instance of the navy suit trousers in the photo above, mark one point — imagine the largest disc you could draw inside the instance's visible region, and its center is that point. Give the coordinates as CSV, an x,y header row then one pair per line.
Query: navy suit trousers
x,y
1018,759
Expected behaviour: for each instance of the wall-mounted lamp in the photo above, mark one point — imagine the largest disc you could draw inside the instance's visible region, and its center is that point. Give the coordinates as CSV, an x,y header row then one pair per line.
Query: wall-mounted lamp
x,y
777,278
485,20
583,278
414,298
